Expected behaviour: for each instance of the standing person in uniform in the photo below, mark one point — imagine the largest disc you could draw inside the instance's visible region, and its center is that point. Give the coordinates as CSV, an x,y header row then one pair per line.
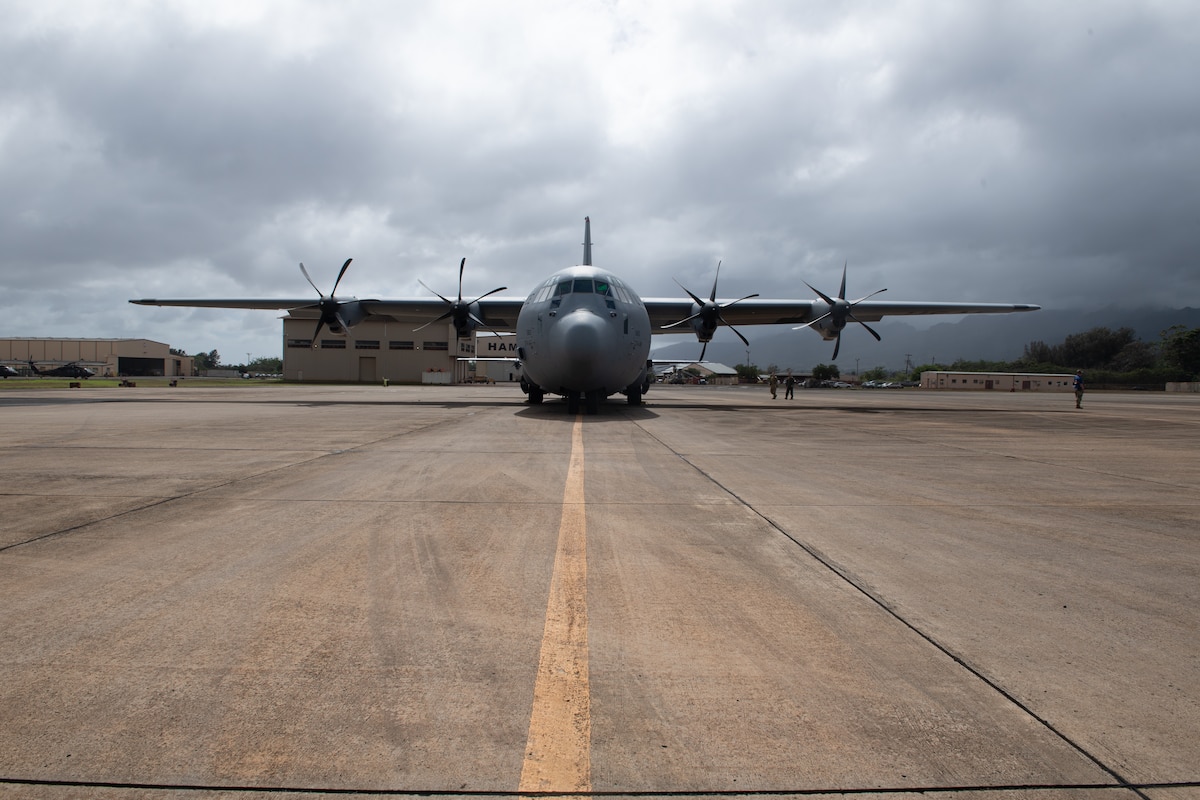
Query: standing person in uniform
x,y
789,385
774,384
1077,384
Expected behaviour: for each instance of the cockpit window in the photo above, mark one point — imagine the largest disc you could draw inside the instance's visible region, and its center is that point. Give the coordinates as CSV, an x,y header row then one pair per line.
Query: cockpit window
x,y
606,287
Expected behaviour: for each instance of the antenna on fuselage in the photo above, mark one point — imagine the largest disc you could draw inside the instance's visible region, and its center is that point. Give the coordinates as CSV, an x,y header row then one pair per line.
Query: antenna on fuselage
x,y
587,241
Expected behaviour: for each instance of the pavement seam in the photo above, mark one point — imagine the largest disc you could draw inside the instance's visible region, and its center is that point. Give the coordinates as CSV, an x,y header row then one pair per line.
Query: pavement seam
x,y
845,575
878,791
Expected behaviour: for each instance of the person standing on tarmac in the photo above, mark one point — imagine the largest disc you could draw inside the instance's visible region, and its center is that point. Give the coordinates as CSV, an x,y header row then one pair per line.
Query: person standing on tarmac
x,y
1077,385
789,387
774,384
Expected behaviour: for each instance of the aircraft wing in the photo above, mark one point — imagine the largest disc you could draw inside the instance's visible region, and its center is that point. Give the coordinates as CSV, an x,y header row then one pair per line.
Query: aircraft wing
x,y
271,303
761,311
664,311
498,313
875,310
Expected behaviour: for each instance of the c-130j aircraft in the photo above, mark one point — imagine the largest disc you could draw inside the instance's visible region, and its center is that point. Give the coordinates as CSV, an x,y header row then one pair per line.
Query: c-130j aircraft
x,y
584,334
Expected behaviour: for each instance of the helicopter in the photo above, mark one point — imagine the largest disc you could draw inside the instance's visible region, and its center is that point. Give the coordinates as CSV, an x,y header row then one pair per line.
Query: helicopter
x,y
71,370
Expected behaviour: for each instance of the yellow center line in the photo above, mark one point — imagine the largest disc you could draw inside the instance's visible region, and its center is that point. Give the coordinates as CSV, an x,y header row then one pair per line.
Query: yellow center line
x,y
558,750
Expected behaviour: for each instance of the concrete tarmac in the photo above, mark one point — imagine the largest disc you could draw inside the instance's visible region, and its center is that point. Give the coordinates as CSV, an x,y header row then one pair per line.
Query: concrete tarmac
x,y
359,591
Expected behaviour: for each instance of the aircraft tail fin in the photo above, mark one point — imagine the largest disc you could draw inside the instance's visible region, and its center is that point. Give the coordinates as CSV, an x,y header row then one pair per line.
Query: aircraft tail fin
x,y
587,241
33,367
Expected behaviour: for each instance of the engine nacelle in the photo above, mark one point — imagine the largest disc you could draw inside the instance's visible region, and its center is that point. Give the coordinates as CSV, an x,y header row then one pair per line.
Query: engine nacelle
x,y
829,328
704,325
345,317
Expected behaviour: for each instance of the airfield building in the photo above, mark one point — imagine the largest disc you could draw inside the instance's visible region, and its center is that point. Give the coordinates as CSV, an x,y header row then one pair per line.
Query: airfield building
x,y
996,381
378,349
106,357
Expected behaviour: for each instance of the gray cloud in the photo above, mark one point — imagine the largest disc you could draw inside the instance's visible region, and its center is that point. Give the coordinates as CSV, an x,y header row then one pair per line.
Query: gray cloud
x,y
991,151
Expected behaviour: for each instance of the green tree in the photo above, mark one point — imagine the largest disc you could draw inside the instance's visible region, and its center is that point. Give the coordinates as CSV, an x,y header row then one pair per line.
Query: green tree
x,y
826,372
875,374
209,360
265,364
1135,356
1038,352
1181,349
1094,349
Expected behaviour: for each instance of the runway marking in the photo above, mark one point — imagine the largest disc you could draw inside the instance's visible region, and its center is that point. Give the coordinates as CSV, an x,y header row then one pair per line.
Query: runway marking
x,y
558,749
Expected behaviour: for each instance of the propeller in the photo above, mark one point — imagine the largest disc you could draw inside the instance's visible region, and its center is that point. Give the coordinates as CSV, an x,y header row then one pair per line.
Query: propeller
x,y
710,314
329,307
459,312
840,311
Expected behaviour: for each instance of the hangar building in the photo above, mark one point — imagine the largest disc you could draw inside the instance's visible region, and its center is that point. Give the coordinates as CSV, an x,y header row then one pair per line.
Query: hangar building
x,y
377,349
105,357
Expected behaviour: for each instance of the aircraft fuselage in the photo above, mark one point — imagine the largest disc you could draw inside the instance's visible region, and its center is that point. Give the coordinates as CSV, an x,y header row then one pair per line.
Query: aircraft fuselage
x,y
584,332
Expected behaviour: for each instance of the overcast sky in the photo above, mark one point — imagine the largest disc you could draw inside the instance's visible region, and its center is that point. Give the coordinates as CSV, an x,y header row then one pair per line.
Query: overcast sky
x,y
1010,151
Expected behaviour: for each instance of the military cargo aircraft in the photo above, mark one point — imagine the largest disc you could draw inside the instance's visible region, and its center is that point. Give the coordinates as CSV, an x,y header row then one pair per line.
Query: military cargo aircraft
x,y
584,333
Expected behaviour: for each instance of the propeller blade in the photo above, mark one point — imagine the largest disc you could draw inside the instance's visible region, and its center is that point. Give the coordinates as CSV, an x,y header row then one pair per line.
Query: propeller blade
x,y
310,280
317,332
745,341
865,296
339,277
740,299
841,311
870,330
680,322
444,299
341,321
447,315
821,294
688,291
458,311
703,350
492,292
483,324
814,322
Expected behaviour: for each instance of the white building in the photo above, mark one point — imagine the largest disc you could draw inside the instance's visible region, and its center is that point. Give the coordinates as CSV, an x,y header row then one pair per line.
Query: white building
x,y
996,381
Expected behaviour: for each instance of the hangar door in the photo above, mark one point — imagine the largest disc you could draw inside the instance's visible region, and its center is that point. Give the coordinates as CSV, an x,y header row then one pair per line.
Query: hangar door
x,y
366,369
139,367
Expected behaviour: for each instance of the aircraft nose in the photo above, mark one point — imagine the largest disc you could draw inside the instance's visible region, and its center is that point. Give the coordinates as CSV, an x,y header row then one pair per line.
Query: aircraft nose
x,y
580,342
